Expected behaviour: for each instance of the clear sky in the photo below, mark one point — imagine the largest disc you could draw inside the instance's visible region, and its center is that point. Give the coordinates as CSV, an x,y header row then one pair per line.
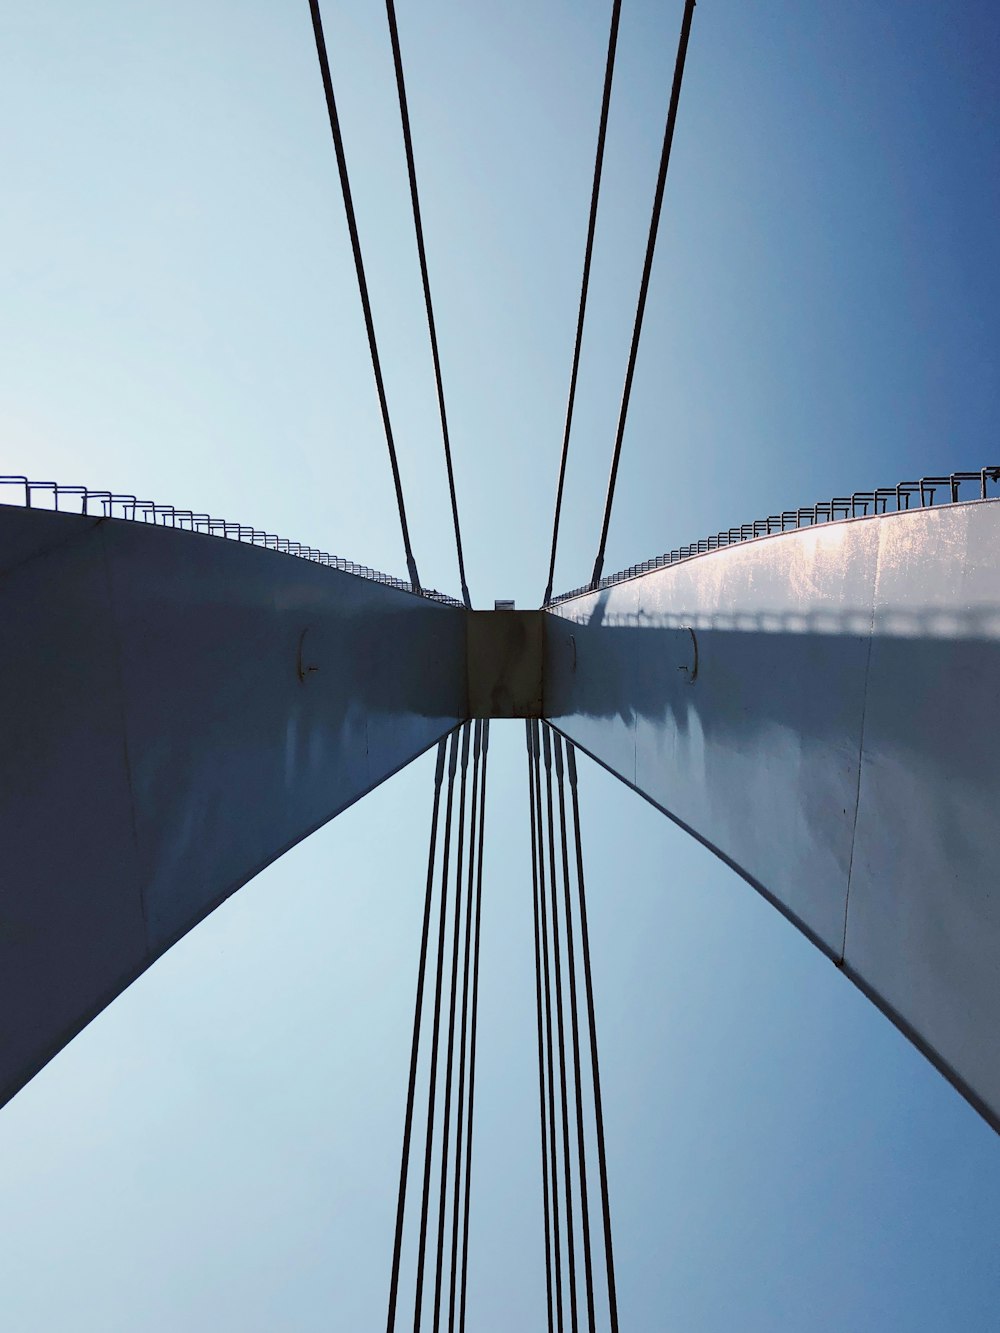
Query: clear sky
x,y
179,318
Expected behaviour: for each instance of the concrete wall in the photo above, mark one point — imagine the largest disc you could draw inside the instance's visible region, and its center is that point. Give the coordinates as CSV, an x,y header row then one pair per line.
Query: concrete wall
x,y
822,709
176,710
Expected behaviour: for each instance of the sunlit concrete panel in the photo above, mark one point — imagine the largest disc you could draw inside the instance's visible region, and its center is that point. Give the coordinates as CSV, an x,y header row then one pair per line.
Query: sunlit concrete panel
x,y
923,920
821,709
729,690
177,710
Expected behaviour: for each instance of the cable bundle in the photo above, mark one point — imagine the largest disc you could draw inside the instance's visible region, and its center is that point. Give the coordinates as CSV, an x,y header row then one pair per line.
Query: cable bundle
x,y
559,943
450,1123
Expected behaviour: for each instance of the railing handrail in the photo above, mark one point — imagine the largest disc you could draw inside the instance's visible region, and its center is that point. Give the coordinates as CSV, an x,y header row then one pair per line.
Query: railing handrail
x,y
110,504
883,500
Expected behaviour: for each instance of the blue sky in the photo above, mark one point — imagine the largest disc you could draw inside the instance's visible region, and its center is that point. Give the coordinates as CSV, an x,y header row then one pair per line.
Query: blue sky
x,y
180,319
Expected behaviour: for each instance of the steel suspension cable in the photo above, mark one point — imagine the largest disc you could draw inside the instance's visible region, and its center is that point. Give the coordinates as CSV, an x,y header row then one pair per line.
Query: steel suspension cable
x,y
560,1028
472,1035
547,991
352,226
415,1045
575,1031
425,278
585,284
436,1029
463,1038
541,1039
647,268
595,1067
450,1061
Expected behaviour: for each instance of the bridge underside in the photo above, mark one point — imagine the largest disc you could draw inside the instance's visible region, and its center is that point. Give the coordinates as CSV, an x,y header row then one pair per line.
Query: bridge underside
x,y
177,710
818,707
821,709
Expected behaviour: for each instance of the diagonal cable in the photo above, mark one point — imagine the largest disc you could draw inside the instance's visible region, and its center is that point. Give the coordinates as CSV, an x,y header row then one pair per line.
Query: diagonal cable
x,y
561,1034
463,1039
588,980
668,138
548,987
352,226
585,284
575,1031
535,843
473,1028
415,1047
450,1062
436,1032
425,278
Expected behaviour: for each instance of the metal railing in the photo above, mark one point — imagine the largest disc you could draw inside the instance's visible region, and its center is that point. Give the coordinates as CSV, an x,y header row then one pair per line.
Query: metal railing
x,y
883,500
29,494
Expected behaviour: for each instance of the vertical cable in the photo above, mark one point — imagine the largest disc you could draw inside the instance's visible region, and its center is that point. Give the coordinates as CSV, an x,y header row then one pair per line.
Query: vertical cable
x,y
359,267
585,284
472,1037
560,1027
415,1045
450,1062
546,979
422,254
429,1143
598,1109
647,268
575,1029
541,1039
459,1123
